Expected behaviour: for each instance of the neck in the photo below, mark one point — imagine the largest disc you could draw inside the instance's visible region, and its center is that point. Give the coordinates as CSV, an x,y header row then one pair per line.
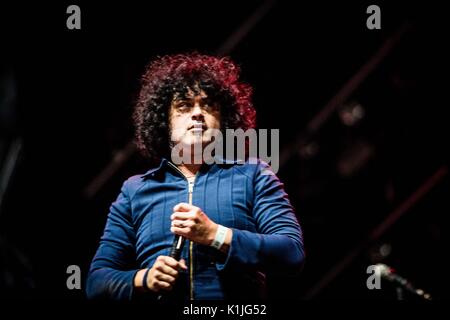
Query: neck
x,y
189,170
196,161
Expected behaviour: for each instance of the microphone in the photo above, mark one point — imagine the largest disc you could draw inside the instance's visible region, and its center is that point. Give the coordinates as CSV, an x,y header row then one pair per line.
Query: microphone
x,y
389,274
175,251
177,247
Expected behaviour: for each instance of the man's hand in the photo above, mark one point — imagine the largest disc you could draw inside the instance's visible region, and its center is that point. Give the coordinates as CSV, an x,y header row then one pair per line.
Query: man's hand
x,y
192,223
162,275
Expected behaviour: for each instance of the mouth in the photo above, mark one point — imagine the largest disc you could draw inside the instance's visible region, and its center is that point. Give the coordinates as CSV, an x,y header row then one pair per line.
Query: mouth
x,y
198,127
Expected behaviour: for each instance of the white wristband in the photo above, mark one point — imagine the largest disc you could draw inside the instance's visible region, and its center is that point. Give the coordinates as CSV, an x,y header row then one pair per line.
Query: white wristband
x,y
220,237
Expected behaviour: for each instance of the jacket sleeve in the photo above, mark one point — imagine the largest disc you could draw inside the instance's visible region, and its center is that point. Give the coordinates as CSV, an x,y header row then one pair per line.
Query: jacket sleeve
x,y
113,268
277,246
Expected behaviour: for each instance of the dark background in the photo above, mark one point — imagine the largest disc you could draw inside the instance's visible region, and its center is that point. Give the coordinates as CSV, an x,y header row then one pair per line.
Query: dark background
x,y
67,96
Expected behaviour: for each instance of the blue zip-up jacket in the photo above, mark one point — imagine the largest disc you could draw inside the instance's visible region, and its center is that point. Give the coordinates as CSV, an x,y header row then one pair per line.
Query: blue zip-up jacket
x,y
246,197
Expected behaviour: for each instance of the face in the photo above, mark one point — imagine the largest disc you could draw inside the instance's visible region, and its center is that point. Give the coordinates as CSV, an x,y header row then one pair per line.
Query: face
x,y
193,119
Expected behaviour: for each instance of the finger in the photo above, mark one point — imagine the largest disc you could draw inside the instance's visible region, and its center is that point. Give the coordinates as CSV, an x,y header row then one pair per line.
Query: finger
x,y
184,232
163,285
168,270
181,215
168,261
182,223
183,206
165,278
178,223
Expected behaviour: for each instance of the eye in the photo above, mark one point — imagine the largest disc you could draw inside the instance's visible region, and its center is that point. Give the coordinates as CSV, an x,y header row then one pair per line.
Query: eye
x,y
182,106
211,106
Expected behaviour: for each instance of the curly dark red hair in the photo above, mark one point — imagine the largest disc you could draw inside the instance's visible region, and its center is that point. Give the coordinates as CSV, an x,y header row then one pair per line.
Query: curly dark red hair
x,y
168,75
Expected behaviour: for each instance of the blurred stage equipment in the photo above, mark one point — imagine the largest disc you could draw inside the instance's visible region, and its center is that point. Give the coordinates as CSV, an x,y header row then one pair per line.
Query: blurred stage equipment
x,y
390,275
354,158
314,125
10,140
351,113
16,277
378,231
380,252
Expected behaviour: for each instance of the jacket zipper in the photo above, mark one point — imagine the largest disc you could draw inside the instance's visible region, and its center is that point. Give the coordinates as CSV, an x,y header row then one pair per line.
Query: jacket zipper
x,y
191,248
191,244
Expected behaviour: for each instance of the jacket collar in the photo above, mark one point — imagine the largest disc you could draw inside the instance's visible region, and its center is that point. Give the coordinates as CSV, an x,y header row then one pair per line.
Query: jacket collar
x,y
153,171
218,160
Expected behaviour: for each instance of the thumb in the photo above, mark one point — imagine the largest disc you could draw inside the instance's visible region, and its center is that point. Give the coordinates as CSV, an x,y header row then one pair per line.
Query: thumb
x,y
182,264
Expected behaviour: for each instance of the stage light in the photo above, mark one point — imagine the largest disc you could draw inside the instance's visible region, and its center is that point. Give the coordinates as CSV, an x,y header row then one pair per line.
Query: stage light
x,y
351,113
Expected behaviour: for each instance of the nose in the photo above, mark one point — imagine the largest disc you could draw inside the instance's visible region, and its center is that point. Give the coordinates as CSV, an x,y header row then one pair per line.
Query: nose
x,y
197,113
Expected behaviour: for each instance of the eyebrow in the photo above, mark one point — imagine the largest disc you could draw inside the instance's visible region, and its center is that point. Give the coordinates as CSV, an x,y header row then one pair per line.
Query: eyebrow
x,y
184,98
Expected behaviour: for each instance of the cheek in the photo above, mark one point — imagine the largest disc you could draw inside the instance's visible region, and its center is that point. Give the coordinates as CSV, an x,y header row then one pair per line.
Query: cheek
x,y
177,128
214,122
177,122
